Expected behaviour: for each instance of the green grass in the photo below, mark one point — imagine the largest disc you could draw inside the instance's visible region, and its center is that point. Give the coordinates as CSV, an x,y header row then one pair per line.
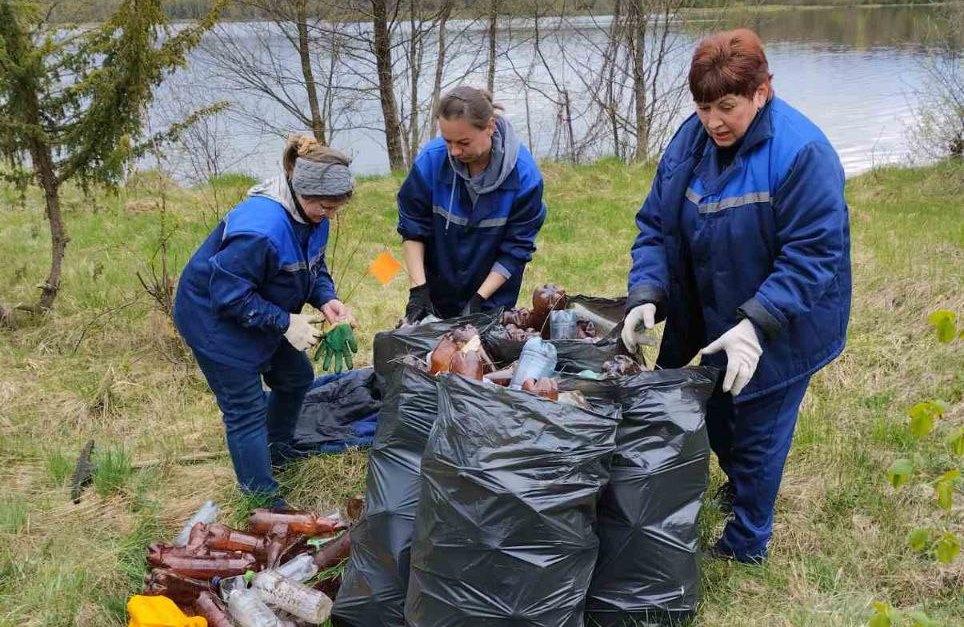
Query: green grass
x,y
107,365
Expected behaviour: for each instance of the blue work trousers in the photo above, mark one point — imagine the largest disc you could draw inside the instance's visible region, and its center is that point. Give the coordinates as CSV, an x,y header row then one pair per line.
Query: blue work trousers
x,y
257,422
751,441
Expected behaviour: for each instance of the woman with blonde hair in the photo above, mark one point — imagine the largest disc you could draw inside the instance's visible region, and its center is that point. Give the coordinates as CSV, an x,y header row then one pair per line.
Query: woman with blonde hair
x,y
239,303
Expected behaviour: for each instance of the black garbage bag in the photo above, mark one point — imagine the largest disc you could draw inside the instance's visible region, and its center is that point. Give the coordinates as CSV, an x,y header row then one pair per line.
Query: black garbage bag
x,y
505,525
421,339
372,592
337,412
373,586
605,313
648,569
574,355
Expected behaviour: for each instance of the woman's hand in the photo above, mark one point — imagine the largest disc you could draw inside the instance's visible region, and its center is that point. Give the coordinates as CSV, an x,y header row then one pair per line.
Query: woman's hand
x,y
336,311
743,352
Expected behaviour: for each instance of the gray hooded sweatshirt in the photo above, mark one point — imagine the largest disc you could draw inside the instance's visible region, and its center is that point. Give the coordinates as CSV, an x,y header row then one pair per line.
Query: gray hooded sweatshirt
x,y
505,152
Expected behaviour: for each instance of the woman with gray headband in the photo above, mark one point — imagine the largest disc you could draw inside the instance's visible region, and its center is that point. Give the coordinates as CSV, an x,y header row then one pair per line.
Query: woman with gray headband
x,y
469,211
239,303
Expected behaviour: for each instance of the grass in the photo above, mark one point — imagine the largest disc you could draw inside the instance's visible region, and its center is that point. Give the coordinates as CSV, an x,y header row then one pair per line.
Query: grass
x,y
107,365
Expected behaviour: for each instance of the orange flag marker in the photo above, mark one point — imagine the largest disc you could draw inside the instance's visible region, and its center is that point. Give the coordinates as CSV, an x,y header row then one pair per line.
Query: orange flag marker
x,y
384,268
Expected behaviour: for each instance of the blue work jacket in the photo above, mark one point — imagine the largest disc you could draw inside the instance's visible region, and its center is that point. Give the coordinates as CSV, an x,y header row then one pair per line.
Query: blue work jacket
x,y
766,238
254,269
464,243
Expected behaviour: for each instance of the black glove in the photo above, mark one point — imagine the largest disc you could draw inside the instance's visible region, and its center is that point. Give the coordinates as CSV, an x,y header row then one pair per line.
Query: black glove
x,y
419,304
474,305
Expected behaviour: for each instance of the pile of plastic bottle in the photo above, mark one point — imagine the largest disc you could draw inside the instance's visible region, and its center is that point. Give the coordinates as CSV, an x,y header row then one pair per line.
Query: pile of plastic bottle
x,y
282,572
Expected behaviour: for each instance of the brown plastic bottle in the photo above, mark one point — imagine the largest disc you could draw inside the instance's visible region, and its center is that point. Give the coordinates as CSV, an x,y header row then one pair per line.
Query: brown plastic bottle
x,y
442,354
545,387
208,606
334,552
521,318
468,364
223,538
547,298
294,522
202,566
355,509
182,590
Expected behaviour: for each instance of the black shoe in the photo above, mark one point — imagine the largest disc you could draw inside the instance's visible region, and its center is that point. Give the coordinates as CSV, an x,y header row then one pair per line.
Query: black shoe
x,y
724,497
718,553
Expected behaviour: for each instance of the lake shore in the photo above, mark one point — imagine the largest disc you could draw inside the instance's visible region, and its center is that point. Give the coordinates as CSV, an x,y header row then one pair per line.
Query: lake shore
x,y
106,364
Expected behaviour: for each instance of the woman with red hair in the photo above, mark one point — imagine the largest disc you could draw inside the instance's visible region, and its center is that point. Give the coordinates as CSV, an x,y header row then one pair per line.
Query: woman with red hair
x,y
744,250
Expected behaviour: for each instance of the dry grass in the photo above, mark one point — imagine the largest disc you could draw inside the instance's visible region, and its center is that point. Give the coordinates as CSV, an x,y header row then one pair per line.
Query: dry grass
x,y
106,365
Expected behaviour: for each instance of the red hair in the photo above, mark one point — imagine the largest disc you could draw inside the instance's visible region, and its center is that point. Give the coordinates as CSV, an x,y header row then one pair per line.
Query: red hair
x,y
729,62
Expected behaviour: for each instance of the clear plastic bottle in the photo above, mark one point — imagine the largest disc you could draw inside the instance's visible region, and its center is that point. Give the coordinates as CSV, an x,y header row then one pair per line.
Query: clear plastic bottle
x,y
248,610
300,569
563,325
208,513
293,597
538,360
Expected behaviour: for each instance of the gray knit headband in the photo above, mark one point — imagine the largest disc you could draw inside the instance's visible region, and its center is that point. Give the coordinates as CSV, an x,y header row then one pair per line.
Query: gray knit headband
x,y
310,178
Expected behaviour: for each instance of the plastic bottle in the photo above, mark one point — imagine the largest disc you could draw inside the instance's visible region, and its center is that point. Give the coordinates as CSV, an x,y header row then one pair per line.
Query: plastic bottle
x,y
227,585
355,509
182,590
538,360
334,552
159,611
223,538
547,298
300,569
202,566
248,610
546,387
208,513
208,606
563,325
307,523
293,597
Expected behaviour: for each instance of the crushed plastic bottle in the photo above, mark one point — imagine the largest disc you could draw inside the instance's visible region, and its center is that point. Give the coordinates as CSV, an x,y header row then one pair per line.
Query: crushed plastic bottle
x,y
293,597
227,585
294,521
248,610
159,611
563,325
208,513
300,569
208,606
334,552
182,590
538,360
200,566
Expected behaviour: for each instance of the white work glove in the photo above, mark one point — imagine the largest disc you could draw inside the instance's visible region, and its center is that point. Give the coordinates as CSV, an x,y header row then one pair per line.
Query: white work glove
x,y
300,334
646,314
742,355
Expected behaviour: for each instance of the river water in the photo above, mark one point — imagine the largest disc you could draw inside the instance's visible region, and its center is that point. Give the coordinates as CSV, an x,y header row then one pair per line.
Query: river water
x,y
854,71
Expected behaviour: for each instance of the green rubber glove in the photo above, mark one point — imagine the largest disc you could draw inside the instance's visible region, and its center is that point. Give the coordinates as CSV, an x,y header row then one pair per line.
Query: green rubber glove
x,y
337,346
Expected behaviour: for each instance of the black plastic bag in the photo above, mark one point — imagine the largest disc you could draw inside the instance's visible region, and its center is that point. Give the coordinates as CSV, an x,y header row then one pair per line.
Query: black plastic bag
x,y
574,355
373,586
648,568
505,526
331,409
605,313
372,592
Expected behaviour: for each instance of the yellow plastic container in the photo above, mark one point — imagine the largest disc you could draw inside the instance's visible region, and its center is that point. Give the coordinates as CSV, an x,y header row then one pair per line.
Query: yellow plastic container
x,y
159,611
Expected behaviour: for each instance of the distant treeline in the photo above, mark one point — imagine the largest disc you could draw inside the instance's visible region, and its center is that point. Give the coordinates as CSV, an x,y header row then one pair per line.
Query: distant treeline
x,y
82,11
